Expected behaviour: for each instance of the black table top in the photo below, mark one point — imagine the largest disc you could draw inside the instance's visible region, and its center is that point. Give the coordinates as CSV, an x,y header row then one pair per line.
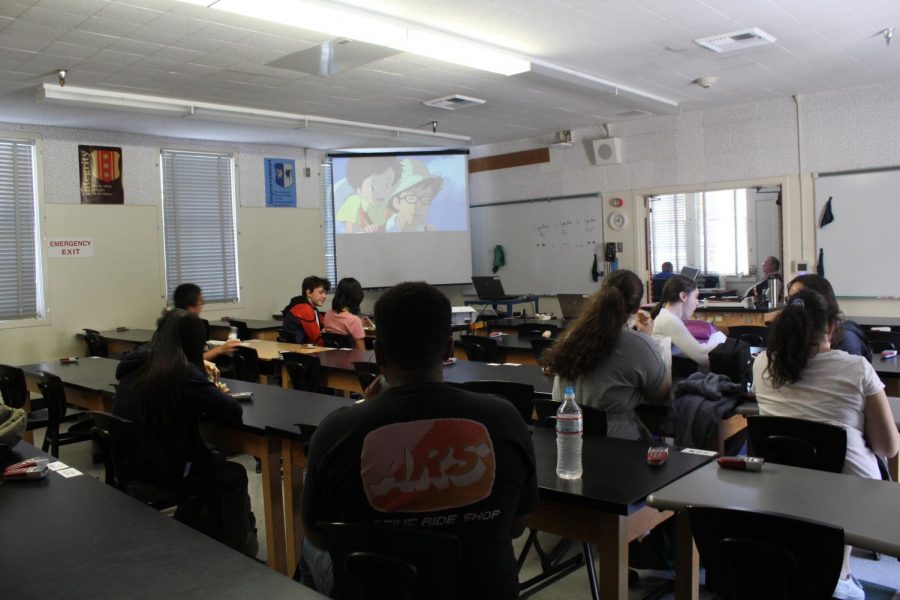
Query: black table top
x,y
506,322
137,336
91,373
80,539
252,324
711,307
616,476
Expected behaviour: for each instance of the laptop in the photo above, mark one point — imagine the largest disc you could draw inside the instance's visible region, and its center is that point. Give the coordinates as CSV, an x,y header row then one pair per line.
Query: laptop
x,y
691,273
571,304
490,288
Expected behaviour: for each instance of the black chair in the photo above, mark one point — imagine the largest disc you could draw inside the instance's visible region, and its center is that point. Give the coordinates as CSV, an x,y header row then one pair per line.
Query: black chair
x,y
754,335
243,332
377,562
879,346
245,361
798,442
754,555
15,394
337,340
595,422
305,371
539,345
530,330
521,395
366,373
884,336
480,348
285,338
96,343
54,394
656,289
683,367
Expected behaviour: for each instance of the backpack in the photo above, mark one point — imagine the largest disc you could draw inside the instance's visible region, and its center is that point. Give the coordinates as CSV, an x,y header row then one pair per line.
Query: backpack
x,y
732,358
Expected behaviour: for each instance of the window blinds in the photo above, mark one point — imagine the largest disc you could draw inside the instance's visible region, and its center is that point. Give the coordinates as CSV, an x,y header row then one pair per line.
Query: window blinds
x,y
328,209
199,223
19,268
667,230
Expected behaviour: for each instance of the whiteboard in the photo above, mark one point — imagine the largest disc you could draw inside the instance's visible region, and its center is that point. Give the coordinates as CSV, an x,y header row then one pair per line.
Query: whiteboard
x,y
860,249
549,244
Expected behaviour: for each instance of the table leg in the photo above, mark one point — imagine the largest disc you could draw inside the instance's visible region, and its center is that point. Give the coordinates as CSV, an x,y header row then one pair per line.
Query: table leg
x,y
293,462
687,560
612,557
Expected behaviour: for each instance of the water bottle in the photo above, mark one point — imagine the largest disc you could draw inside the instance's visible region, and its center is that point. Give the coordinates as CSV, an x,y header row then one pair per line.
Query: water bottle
x,y
233,333
569,429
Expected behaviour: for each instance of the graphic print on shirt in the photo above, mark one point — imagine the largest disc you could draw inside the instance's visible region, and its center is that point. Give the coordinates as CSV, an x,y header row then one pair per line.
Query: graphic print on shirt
x,y
428,465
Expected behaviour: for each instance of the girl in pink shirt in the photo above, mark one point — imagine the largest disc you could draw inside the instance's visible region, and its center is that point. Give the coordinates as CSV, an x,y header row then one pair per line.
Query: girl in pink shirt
x,y
343,318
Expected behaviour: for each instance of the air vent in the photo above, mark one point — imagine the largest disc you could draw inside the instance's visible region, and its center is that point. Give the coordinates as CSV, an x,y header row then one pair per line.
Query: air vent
x,y
453,102
736,40
634,113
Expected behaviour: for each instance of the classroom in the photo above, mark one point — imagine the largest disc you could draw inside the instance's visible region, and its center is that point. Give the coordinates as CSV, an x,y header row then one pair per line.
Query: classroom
x,y
618,104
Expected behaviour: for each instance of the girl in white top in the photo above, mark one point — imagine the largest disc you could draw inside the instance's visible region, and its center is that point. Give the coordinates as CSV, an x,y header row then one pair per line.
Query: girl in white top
x,y
801,376
680,297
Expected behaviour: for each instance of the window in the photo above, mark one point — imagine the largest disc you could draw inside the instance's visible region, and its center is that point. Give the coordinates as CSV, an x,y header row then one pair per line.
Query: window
x,y
21,293
199,223
707,230
328,199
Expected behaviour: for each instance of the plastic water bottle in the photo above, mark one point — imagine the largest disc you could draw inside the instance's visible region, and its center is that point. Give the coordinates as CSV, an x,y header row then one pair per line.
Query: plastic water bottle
x,y
569,429
233,333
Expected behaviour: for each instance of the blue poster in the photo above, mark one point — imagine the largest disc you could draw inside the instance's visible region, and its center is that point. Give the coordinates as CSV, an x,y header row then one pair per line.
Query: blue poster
x,y
281,188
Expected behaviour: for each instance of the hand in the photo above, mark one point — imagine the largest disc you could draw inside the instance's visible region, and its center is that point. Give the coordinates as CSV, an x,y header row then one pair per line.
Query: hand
x,y
643,322
212,371
230,345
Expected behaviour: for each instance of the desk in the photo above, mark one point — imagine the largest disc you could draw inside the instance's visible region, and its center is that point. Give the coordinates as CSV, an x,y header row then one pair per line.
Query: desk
x,y
869,322
865,508
89,385
260,329
513,348
606,506
120,342
83,540
725,317
509,302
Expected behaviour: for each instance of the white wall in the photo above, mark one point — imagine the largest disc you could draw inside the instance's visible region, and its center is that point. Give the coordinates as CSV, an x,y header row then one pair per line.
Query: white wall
x,y
123,283
760,143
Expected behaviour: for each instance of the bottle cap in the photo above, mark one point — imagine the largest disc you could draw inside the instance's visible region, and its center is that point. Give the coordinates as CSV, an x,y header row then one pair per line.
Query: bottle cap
x,y
569,390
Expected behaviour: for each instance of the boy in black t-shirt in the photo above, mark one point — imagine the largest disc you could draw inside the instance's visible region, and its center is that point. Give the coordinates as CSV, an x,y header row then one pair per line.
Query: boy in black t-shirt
x,y
423,454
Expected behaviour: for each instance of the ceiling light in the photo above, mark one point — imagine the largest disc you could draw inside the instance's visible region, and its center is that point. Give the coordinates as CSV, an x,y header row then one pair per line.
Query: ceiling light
x,y
736,40
376,29
79,96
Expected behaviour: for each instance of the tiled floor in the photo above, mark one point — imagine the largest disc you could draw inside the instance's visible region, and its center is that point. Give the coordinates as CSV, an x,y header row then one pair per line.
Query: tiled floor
x,y
885,574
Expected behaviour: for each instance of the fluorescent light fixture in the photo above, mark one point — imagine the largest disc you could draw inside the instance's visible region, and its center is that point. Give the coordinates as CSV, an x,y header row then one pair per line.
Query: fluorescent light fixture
x,y
382,30
95,98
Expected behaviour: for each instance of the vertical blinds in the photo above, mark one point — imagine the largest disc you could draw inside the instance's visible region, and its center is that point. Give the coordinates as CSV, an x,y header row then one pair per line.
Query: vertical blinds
x,y
199,223
667,231
19,270
328,209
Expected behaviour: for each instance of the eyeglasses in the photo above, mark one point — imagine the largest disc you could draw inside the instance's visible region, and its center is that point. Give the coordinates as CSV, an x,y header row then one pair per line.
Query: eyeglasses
x,y
413,198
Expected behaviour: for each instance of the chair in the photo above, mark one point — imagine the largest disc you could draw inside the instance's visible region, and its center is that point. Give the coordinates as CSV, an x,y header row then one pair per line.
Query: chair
x,y
754,555
285,338
366,373
879,346
378,562
480,348
884,336
594,418
521,395
245,361
683,366
527,330
753,335
96,343
656,289
54,395
15,394
539,345
305,371
337,340
243,332
798,442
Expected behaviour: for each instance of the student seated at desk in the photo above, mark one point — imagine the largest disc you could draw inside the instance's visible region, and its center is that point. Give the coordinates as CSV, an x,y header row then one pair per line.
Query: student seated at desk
x,y
380,461
610,366
679,300
343,318
847,335
801,376
301,315
163,388
189,297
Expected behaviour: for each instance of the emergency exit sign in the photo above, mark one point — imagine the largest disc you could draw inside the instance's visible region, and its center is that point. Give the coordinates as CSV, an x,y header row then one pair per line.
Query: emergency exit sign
x,y
70,247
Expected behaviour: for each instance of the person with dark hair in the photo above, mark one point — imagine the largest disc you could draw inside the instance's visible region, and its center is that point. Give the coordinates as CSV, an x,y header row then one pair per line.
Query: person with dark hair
x,y
343,318
373,180
609,365
189,297
801,376
164,389
422,453
301,315
771,282
680,298
667,271
847,335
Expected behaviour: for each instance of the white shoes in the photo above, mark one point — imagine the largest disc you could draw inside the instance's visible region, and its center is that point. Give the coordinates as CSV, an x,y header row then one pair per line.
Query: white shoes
x,y
849,589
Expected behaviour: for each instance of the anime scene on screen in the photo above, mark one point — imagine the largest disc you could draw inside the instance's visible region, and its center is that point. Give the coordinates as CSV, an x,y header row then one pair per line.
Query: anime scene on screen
x,y
400,194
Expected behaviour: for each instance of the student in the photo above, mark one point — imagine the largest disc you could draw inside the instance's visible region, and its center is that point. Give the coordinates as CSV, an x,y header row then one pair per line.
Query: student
x,y
666,273
163,388
301,315
679,299
343,318
771,277
360,457
847,335
801,376
188,296
610,366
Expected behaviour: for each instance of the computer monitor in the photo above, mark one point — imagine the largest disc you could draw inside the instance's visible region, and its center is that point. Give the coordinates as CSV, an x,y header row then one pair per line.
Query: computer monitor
x,y
690,272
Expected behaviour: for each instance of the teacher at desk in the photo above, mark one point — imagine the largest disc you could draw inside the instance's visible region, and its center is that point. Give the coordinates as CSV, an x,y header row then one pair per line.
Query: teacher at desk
x,y
771,281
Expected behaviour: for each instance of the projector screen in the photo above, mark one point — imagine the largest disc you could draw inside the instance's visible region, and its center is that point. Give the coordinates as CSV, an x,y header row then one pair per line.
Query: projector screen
x,y
402,217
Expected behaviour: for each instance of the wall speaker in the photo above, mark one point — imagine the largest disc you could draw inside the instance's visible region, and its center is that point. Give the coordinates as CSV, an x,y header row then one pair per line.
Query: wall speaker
x,y
608,151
